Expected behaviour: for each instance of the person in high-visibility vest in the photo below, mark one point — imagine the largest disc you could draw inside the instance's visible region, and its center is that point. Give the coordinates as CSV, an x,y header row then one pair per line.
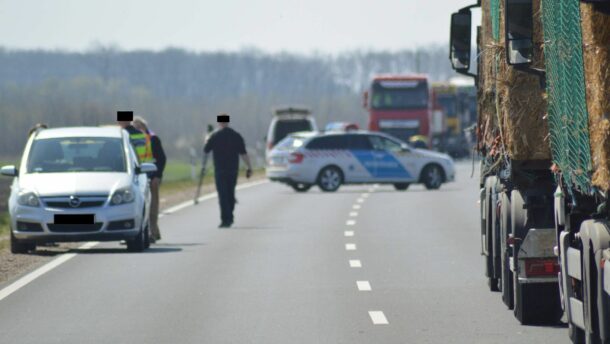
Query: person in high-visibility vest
x,y
138,140
156,154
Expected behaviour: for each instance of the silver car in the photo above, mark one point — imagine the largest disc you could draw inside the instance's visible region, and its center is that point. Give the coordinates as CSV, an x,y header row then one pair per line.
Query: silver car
x,y
79,184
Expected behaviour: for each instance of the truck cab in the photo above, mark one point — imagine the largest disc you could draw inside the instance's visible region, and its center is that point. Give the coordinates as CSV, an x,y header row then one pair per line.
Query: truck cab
x,y
399,105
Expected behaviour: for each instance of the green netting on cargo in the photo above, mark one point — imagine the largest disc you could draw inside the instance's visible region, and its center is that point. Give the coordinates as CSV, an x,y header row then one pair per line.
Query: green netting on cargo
x,y
568,120
495,18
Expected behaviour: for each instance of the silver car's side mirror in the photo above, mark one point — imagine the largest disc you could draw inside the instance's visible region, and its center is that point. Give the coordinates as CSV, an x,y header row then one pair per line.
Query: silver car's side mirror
x,y
9,171
147,167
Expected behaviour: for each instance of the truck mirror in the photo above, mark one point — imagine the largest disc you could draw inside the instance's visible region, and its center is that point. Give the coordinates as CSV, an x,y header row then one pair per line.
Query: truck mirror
x,y
365,99
459,43
519,32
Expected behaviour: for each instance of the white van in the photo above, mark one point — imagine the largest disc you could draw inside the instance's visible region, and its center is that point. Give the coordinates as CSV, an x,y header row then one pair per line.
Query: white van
x,y
288,120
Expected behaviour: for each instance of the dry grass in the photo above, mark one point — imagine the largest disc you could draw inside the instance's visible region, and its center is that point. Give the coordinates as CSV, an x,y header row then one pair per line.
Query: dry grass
x,y
521,102
487,122
512,105
596,54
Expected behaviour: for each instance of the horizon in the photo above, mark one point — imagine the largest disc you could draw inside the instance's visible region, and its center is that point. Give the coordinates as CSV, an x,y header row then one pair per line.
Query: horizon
x,y
97,47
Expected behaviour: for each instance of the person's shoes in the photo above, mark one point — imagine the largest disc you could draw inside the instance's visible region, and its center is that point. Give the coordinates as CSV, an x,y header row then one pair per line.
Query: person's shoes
x,y
225,225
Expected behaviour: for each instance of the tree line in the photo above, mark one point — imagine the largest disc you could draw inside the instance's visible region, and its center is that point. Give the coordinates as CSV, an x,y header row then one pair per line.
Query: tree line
x,y
180,92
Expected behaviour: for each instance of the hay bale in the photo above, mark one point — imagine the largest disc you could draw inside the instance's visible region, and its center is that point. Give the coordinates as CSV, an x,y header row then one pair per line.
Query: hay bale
x,y
596,55
521,102
487,124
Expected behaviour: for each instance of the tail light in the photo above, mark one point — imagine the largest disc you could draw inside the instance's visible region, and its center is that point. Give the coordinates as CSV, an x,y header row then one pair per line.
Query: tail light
x,y
296,158
541,267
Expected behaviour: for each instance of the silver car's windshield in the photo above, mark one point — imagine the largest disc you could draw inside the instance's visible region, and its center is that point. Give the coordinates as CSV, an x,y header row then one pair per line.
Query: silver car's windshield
x,y
76,154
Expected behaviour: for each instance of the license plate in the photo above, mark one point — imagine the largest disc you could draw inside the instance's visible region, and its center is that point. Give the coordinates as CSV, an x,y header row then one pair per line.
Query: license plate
x,y
80,219
278,161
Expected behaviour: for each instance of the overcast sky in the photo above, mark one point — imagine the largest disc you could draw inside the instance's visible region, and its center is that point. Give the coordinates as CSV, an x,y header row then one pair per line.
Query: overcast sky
x,y
303,26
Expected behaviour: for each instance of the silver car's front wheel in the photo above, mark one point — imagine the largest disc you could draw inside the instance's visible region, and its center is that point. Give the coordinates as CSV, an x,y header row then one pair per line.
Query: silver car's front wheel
x,y
330,179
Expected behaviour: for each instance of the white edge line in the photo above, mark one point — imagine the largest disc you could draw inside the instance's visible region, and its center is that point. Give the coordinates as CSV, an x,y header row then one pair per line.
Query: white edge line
x,y
378,318
27,279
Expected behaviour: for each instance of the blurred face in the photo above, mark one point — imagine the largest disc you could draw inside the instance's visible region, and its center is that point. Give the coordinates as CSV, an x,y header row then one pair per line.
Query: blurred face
x,y
223,124
124,124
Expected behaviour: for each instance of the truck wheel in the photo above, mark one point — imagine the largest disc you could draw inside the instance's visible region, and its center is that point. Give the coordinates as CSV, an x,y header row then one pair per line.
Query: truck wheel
x,y
595,238
401,186
300,187
492,281
330,178
496,216
19,247
432,177
537,303
507,274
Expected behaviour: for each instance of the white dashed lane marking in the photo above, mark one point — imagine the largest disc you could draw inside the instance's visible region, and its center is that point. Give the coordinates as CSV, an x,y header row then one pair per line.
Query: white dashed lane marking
x,y
348,233
363,285
378,318
360,200
355,263
357,206
353,214
350,222
350,247
365,195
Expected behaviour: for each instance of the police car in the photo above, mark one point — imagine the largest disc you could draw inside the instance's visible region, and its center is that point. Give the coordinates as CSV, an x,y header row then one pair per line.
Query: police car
x,y
302,160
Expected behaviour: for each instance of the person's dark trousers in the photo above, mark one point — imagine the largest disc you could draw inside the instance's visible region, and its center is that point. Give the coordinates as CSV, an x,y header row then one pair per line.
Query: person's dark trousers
x,y
225,186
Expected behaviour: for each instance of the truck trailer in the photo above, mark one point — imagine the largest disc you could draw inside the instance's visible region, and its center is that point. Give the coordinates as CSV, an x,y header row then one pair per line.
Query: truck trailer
x,y
573,67
516,182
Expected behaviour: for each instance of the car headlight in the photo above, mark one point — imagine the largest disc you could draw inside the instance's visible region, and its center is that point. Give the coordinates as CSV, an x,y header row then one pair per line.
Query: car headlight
x,y
122,196
28,199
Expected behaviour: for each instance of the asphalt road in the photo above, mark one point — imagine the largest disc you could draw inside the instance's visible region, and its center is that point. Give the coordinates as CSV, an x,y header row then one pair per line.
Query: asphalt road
x,y
283,275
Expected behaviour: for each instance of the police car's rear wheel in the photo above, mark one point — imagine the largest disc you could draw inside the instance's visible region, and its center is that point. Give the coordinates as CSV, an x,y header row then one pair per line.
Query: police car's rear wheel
x,y
301,187
330,178
401,186
432,177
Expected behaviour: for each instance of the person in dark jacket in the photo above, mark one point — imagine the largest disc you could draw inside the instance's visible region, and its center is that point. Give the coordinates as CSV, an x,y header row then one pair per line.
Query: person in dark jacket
x,y
160,159
227,146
